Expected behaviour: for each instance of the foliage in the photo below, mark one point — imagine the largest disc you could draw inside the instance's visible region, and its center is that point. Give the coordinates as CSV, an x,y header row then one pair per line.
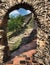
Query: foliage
x,y
15,23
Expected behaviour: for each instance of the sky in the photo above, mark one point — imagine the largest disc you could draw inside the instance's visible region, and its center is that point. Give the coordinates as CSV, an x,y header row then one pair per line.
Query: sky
x,y
18,12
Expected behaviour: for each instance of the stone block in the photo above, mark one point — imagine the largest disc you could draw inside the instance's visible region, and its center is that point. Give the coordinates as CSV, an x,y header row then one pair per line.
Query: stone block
x,y
2,47
19,1
1,57
3,1
1,53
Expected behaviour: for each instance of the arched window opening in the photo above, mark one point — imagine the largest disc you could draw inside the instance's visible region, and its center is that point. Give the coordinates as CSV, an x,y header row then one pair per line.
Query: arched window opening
x,y
20,26
20,21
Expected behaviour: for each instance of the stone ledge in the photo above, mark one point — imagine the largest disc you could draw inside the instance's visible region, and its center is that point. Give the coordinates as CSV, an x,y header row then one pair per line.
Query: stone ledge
x,y
1,31
2,47
0,36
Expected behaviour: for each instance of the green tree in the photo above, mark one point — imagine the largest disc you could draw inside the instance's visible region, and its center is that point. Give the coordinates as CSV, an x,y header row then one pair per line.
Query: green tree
x,y
15,23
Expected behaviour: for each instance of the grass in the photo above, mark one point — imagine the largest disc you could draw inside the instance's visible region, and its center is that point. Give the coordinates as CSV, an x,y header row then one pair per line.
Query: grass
x,y
15,45
9,33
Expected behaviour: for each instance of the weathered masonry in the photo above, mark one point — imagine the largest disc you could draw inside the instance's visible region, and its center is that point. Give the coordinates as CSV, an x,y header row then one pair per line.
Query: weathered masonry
x,y
41,11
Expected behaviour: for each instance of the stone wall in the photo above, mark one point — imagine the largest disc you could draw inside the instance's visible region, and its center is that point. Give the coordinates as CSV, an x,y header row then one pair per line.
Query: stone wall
x,y
42,18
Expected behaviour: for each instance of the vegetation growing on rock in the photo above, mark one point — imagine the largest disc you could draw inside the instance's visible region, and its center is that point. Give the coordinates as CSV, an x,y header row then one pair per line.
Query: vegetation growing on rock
x,y
15,23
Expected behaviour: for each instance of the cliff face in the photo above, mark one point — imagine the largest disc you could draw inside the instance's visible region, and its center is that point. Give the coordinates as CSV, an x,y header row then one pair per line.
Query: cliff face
x,y
42,18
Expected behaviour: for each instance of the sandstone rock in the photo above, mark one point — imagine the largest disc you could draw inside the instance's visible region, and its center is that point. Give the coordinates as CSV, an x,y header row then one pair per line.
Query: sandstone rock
x,y
3,0
2,47
41,7
19,1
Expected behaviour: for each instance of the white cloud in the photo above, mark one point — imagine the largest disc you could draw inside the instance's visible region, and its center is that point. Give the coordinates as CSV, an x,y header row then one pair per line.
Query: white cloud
x,y
21,11
28,11
14,13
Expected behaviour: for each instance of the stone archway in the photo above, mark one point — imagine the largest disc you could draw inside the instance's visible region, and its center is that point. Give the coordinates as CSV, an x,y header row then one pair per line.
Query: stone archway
x,y
41,14
5,21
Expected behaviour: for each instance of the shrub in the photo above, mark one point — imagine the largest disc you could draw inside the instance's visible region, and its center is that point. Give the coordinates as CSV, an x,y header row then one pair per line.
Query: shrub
x,y
15,23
